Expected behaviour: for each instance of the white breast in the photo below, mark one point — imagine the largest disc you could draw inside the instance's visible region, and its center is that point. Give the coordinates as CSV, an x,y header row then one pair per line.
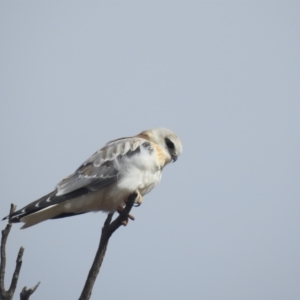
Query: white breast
x,y
139,173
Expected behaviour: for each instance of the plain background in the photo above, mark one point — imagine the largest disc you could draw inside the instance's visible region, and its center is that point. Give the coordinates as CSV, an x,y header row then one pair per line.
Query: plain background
x,y
223,75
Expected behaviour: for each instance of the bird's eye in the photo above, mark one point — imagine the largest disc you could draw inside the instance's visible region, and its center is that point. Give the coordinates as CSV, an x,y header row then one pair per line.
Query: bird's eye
x,y
169,143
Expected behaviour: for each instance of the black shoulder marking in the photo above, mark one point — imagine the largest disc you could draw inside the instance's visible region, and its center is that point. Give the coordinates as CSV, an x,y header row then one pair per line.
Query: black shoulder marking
x,y
148,146
145,145
130,153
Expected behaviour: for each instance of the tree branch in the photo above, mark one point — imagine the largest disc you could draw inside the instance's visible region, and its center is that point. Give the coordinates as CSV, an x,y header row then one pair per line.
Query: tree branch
x,y
107,230
8,295
26,293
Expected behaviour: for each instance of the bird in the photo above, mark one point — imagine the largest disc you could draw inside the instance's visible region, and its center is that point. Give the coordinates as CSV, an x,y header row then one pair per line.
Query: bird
x,y
106,179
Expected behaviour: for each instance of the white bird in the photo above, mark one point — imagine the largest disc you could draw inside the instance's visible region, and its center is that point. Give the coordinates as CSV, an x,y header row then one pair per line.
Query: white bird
x,y
105,180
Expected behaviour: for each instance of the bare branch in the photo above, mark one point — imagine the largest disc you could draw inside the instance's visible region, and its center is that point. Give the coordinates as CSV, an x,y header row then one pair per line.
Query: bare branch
x,y
15,277
8,295
107,230
26,293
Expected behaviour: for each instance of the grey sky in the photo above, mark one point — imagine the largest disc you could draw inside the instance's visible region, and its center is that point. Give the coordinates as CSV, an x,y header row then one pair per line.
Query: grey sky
x,y
224,222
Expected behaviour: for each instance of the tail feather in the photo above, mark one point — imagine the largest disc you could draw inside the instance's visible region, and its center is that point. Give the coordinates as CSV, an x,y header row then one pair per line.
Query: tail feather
x,y
33,207
47,207
41,215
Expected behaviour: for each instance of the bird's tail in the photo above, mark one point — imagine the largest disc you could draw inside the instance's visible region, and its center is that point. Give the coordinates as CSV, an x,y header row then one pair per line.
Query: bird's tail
x,y
42,215
28,210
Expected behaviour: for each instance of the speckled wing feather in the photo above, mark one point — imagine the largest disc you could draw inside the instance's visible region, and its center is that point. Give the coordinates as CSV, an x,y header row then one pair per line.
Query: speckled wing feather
x,y
100,170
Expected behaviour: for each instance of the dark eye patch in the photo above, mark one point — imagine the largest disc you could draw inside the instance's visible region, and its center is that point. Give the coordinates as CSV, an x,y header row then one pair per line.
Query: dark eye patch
x,y
169,143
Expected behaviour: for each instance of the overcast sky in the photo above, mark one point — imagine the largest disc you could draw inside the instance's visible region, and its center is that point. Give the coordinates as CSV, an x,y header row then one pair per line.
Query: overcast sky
x,y
225,76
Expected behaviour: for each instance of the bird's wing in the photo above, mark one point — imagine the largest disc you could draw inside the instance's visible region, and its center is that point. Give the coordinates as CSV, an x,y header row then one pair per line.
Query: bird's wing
x,y
101,169
97,172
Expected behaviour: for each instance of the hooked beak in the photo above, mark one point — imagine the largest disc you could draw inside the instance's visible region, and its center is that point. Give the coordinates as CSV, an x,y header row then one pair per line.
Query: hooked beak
x,y
174,157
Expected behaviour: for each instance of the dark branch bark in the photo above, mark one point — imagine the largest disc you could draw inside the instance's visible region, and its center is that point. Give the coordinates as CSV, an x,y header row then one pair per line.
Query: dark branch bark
x,y
107,230
26,293
15,277
8,295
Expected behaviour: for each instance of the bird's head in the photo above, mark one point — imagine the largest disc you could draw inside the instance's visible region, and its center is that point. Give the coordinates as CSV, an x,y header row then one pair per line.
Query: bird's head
x,y
166,139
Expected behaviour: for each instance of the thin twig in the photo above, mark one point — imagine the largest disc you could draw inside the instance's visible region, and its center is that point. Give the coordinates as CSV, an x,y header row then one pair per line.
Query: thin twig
x,y
15,277
8,295
107,230
26,293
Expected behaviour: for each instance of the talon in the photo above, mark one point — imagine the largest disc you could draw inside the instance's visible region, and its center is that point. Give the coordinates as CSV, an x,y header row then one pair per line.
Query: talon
x,y
138,200
131,217
125,222
120,210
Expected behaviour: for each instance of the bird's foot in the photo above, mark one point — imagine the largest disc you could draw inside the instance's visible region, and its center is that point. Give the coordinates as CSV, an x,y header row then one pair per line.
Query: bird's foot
x,y
138,200
125,215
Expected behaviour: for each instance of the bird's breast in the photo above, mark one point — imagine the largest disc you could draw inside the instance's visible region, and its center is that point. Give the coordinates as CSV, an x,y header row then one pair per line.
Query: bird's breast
x,y
140,172
149,181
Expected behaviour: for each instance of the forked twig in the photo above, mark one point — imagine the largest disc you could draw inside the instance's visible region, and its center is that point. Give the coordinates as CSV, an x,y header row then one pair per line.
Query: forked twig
x,y
8,295
26,293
